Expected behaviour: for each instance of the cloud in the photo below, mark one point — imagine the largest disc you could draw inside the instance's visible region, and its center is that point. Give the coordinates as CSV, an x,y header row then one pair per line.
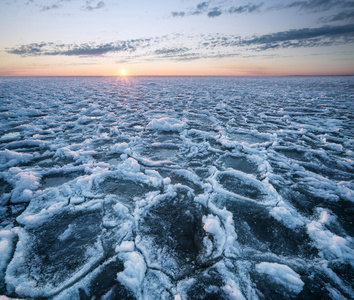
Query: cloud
x,y
85,49
344,9
178,53
171,51
342,16
178,14
33,49
196,11
196,46
305,37
250,8
295,38
201,8
96,50
54,6
319,5
44,6
312,4
214,13
89,7
195,56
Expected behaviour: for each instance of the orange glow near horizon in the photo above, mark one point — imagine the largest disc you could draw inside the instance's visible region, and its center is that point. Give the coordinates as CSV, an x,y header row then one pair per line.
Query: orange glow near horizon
x,y
200,68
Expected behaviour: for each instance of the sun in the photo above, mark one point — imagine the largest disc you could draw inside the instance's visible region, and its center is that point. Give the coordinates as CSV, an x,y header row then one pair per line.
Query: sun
x,y
123,72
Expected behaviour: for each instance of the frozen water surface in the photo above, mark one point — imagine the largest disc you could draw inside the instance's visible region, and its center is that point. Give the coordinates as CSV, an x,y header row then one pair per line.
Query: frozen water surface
x,y
177,188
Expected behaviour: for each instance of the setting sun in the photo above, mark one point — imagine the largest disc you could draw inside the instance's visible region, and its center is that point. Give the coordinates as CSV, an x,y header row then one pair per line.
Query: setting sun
x,y
123,72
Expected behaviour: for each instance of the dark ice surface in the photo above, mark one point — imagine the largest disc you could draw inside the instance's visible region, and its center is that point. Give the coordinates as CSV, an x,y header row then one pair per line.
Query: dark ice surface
x,y
176,187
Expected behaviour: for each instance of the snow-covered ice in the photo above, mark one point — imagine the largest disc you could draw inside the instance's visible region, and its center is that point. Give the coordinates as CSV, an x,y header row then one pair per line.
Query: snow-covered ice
x,y
176,188
282,275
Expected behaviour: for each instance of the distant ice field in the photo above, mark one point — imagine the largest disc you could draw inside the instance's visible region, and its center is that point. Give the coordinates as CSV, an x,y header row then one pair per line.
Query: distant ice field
x,y
177,188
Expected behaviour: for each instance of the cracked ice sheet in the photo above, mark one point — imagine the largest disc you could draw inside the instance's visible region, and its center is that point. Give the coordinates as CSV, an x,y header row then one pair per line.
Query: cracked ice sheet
x,y
195,192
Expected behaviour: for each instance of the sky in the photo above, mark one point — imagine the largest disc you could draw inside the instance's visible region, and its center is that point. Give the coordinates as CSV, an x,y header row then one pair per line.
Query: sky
x,y
176,37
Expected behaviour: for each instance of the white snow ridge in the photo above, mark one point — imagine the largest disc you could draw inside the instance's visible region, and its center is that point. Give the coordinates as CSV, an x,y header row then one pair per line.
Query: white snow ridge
x,y
176,188
283,275
166,124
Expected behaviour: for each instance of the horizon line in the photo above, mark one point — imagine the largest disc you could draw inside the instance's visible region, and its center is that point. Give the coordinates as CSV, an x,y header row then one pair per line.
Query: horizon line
x,y
126,76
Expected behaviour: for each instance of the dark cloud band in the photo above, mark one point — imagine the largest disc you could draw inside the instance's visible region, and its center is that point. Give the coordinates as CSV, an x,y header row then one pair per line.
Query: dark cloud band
x,y
203,45
319,5
85,49
296,37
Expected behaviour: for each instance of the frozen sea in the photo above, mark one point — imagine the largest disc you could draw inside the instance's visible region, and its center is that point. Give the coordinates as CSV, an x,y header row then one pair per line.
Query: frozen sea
x,y
177,187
